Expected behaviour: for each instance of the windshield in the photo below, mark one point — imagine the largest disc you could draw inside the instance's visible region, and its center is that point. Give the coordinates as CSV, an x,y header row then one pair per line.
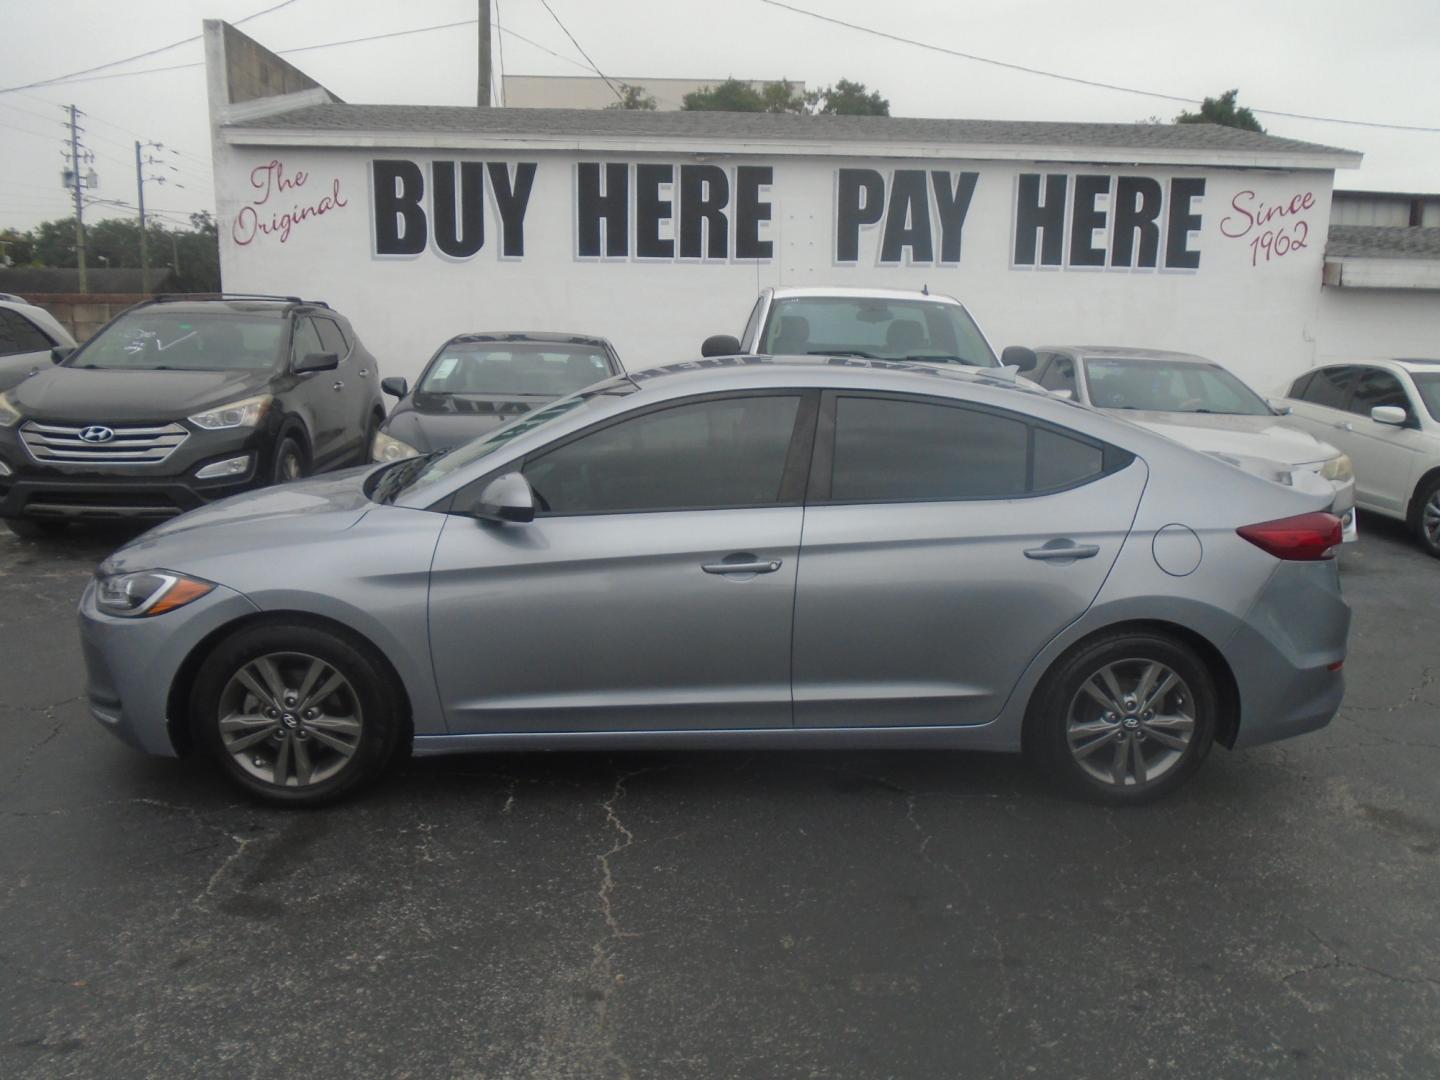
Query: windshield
x,y
153,339
1170,386
426,472
519,369
934,331
1428,384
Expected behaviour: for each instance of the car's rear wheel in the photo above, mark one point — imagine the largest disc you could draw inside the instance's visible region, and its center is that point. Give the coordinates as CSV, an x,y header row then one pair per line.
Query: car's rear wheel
x,y
1426,522
297,715
290,460
1124,718
30,529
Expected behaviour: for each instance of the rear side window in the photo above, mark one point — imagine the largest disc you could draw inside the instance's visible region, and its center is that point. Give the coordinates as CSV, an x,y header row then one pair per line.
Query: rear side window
x,y
889,449
332,337
1376,386
727,452
1330,387
19,335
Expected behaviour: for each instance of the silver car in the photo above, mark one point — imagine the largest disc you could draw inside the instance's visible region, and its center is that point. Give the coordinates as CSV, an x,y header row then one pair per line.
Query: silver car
x,y
738,552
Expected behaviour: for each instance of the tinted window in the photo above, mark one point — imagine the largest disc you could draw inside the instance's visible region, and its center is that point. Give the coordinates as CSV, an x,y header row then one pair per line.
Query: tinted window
x,y
1376,386
888,449
19,335
156,339
921,330
1329,387
1061,461
332,337
1060,375
307,339
1297,388
706,455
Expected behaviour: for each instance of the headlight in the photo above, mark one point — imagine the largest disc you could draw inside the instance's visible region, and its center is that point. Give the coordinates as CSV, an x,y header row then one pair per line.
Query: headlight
x,y
246,413
9,415
387,448
147,592
1338,469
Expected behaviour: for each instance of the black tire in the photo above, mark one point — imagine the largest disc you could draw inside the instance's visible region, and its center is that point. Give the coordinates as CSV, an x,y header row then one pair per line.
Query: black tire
x,y
366,714
1064,712
1425,517
291,462
30,529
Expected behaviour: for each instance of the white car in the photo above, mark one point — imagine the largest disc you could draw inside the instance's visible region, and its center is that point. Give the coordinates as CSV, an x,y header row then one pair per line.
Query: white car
x,y
1197,402
27,334
1383,413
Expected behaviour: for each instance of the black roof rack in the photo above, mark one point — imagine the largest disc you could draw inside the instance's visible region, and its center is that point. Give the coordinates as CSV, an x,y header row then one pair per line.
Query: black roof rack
x,y
170,298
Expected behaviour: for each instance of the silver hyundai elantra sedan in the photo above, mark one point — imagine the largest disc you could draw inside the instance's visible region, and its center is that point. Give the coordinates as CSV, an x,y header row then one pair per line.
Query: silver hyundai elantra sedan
x,y
738,552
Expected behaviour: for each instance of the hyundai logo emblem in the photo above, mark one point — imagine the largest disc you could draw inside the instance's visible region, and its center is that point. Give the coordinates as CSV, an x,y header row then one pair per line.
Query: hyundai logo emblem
x,y
97,433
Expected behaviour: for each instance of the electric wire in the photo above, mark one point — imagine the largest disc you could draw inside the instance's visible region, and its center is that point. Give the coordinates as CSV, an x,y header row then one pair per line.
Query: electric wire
x,y
594,67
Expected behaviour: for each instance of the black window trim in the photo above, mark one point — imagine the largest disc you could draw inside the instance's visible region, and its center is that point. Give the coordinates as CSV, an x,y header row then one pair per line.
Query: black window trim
x,y
822,467
793,475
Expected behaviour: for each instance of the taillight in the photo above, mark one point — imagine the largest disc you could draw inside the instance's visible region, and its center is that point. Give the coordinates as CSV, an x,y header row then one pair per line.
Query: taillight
x,y
1303,538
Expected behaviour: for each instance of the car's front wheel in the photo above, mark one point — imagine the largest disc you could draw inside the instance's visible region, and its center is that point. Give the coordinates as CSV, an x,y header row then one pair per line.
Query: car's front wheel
x,y
1124,718
296,714
1426,521
290,461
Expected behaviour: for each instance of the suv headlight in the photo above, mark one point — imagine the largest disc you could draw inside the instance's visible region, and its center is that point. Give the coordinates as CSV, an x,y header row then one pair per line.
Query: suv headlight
x,y
388,448
9,415
244,413
1338,469
147,592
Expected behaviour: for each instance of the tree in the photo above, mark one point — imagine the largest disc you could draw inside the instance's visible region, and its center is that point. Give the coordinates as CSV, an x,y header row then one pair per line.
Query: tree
x,y
732,95
633,97
847,98
16,248
781,97
192,254
1224,111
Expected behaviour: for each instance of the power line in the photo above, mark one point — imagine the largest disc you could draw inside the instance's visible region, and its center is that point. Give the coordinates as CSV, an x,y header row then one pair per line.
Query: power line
x,y
618,96
1076,79
137,56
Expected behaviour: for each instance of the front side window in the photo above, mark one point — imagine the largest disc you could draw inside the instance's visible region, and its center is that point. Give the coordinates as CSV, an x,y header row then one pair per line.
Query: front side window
x,y
514,369
1330,387
332,338
1156,385
889,449
307,340
19,335
727,452
1376,386
929,331
1060,375
153,339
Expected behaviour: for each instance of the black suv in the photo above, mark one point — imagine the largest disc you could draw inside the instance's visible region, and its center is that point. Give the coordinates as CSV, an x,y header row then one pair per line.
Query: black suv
x,y
182,400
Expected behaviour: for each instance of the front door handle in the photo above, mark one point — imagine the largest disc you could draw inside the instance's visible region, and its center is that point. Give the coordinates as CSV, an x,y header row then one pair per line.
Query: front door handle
x,y
338,386
1063,549
742,564
1346,426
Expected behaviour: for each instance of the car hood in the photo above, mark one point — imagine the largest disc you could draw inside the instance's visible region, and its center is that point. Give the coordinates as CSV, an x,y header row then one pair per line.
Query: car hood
x,y
441,421
284,517
94,395
1239,436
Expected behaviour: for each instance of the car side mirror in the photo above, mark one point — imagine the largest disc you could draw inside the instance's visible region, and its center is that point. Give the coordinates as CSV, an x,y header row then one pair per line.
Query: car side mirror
x,y
507,499
1389,414
395,386
60,352
721,345
1280,408
317,361
1018,357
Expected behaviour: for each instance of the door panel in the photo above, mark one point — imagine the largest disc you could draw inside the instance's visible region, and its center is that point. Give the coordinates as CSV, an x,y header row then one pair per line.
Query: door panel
x,y
609,621
927,613
1387,458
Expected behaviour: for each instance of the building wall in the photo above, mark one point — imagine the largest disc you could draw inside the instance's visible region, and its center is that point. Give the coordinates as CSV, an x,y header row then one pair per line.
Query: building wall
x,y
302,220
1370,324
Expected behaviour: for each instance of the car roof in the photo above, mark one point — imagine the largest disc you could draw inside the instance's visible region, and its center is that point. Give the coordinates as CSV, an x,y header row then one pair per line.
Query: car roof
x,y
532,335
1417,363
238,307
851,292
1124,352
819,371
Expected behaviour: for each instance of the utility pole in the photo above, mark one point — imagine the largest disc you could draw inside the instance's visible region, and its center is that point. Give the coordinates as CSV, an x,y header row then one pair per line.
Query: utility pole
x,y
76,183
483,89
140,162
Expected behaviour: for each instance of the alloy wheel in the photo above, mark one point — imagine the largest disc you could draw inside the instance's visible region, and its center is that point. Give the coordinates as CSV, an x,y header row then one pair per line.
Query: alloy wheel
x,y
1430,519
1130,722
290,719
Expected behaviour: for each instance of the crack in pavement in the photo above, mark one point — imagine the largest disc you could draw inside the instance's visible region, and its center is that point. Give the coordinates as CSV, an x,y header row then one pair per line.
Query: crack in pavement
x,y
1338,961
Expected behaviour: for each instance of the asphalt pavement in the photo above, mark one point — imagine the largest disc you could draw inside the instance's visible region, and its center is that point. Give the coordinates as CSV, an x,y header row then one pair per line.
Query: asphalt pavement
x,y
677,915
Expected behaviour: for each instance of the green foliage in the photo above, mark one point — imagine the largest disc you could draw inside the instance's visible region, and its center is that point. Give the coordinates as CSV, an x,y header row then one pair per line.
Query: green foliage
x,y
732,95
193,254
847,98
1222,110
633,97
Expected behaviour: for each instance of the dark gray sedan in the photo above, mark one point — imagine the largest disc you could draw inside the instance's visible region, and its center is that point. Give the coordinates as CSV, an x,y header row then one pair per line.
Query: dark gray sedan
x,y
476,382
738,551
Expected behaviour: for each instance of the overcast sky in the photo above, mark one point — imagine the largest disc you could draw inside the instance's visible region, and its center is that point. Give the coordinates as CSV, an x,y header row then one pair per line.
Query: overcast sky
x,y
1377,62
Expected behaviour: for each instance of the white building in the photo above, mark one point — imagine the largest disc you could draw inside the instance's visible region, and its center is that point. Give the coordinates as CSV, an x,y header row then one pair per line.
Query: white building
x,y
657,229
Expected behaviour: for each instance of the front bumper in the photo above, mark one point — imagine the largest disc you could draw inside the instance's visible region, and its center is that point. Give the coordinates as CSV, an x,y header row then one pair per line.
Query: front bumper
x,y
131,664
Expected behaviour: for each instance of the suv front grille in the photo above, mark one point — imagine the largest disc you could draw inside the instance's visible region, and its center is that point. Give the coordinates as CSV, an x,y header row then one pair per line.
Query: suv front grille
x,y
62,444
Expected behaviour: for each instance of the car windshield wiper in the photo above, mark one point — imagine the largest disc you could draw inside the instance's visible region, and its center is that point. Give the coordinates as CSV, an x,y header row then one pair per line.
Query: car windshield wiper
x,y
942,358
402,474
842,352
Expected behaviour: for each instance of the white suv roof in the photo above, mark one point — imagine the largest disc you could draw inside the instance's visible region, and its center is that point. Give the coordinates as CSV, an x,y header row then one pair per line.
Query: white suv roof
x,y
799,291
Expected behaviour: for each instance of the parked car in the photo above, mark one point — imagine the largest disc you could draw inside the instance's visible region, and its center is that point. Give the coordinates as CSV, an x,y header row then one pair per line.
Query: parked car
x,y
1385,414
875,324
1197,402
477,382
28,334
985,567
180,401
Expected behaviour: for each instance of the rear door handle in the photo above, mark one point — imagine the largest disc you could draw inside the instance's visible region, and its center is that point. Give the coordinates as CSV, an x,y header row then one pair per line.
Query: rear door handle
x,y
744,564
338,386
1063,549
1346,426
